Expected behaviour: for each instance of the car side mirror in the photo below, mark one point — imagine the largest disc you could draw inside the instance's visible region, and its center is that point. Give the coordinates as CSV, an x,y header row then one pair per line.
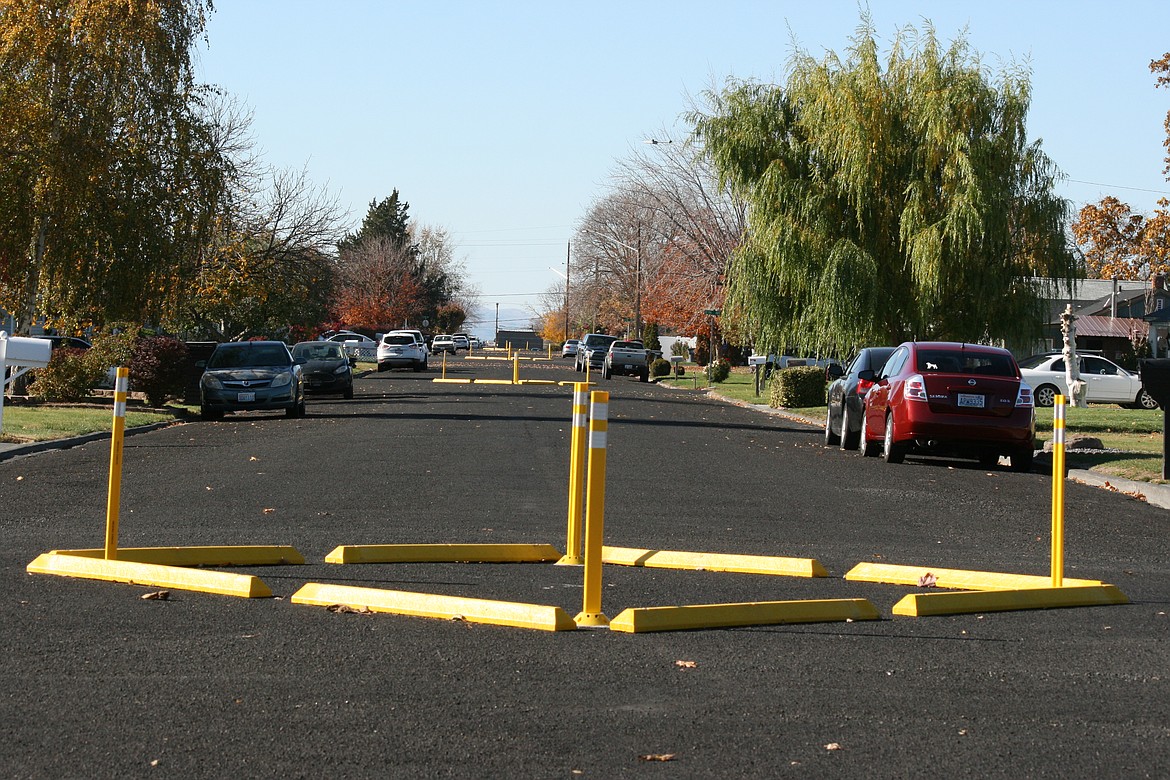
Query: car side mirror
x,y
834,371
868,375
200,364
300,361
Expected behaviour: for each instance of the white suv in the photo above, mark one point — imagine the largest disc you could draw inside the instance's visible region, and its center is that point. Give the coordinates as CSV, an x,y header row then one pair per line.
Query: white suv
x,y
400,349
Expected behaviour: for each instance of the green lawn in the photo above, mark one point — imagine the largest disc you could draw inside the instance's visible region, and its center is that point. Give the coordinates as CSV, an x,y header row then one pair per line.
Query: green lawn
x,y
44,422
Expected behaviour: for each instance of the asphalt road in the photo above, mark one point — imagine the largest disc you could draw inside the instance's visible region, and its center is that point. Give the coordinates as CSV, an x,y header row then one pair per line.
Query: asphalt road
x,y
97,682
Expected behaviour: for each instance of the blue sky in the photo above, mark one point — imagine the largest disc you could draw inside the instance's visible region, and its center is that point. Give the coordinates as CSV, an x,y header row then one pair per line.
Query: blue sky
x,y
502,121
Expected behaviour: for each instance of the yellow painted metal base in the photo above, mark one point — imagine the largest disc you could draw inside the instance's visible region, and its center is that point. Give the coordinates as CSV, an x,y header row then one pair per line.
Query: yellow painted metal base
x,y
957,579
571,560
646,619
591,620
724,562
155,575
444,553
249,555
570,384
398,602
967,602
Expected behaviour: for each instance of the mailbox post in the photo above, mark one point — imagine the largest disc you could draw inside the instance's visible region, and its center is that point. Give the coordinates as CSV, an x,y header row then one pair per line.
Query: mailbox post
x,y
756,362
1156,381
23,352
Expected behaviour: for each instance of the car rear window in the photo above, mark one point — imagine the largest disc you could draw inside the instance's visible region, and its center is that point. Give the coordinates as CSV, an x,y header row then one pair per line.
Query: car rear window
x,y
937,361
244,356
398,339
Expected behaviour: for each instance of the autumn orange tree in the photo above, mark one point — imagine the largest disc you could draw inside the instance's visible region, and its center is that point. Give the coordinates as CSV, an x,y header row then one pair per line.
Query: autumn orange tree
x,y
1118,243
1161,69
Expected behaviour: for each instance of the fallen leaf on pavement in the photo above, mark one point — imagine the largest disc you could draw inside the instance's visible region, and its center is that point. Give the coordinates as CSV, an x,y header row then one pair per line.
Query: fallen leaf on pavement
x,y
157,595
346,609
927,580
657,757
685,664
833,746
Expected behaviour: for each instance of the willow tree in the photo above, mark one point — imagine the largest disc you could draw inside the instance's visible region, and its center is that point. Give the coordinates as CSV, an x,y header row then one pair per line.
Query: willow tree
x,y
111,178
888,200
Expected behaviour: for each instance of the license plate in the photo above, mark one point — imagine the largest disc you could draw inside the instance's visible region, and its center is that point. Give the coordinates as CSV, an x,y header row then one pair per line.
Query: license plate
x,y
245,397
971,400
629,367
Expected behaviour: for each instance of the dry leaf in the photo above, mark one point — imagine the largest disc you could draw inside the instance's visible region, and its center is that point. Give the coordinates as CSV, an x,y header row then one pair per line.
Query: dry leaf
x,y
833,746
268,510
657,757
346,609
685,664
927,580
253,457
158,595
20,479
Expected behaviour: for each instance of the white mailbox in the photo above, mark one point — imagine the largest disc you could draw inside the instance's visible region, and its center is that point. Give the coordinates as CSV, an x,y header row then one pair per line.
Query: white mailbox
x,y
25,352
757,360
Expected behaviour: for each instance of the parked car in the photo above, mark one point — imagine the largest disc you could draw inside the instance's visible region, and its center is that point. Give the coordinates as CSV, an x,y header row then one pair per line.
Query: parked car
x,y
1105,381
399,349
474,343
461,341
949,398
569,349
251,375
419,339
591,351
846,396
627,358
443,343
327,369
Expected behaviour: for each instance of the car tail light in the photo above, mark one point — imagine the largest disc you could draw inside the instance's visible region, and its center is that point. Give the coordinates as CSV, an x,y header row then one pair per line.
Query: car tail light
x,y
915,388
863,386
1024,397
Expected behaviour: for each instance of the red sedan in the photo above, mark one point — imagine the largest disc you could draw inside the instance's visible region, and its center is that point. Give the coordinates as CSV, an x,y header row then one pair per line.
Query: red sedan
x,y
952,399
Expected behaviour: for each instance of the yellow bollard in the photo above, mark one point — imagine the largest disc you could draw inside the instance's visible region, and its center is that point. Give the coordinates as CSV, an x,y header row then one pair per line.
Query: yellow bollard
x,y
1058,492
591,614
516,369
113,497
572,556
444,364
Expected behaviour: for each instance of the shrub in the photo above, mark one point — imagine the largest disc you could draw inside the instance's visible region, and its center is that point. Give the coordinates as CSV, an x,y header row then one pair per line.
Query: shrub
x,y
719,371
798,386
159,368
70,375
112,350
681,348
650,337
660,367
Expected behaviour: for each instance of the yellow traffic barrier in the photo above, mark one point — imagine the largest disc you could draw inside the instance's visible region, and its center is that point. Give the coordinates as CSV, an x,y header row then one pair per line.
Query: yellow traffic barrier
x,y
163,567
724,562
951,579
399,602
580,422
973,601
758,613
155,575
114,489
1058,492
591,614
443,553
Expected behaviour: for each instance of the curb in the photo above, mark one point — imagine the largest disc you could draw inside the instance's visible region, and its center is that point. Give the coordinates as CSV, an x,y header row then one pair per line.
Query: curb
x,y
1154,495
11,451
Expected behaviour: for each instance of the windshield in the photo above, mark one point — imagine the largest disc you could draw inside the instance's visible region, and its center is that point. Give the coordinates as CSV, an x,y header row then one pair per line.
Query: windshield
x,y
247,355
599,341
318,350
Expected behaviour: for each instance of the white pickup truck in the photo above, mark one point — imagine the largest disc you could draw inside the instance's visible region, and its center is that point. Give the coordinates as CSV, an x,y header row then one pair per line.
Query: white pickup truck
x,y
627,358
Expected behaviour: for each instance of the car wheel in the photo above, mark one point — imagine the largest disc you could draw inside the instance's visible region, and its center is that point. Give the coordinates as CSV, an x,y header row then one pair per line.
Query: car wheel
x,y
892,452
381,367
1045,395
210,414
989,460
348,394
1022,460
849,438
830,437
605,372
869,448
644,376
1146,401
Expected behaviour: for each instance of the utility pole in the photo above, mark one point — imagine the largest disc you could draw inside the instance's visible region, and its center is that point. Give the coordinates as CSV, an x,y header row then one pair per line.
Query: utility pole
x,y
497,333
638,288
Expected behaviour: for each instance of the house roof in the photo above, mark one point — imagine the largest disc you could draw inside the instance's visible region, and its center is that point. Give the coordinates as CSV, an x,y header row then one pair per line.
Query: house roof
x,y
1109,327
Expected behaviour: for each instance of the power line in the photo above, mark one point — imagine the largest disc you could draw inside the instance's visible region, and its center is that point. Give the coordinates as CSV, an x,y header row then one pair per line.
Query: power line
x,y
1118,186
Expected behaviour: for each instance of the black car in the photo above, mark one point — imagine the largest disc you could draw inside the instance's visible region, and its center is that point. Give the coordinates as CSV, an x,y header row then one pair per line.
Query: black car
x,y
847,396
327,369
251,375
